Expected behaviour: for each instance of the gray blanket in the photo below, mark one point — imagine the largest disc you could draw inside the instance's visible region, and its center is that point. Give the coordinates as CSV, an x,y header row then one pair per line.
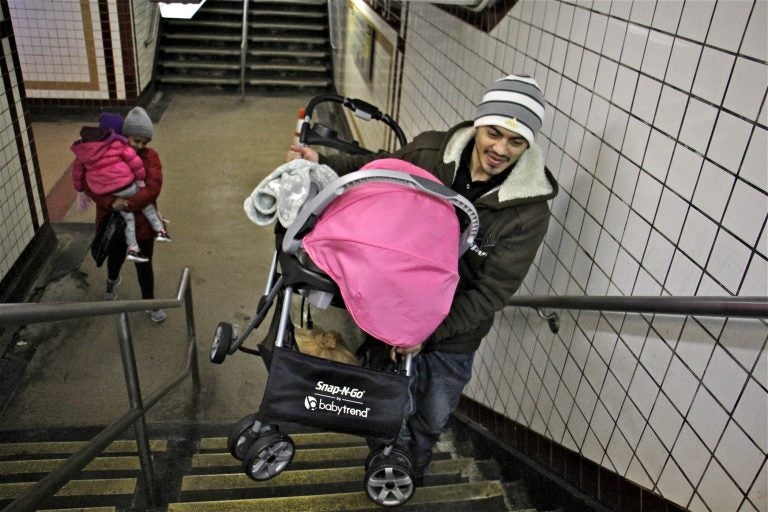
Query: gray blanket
x,y
281,194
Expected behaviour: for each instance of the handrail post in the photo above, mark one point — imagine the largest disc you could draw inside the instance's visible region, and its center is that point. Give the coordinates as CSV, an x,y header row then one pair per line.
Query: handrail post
x,y
192,337
331,25
134,397
243,49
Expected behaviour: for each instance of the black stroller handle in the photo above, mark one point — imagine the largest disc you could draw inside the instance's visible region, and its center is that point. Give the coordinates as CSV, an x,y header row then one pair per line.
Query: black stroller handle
x,y
324,136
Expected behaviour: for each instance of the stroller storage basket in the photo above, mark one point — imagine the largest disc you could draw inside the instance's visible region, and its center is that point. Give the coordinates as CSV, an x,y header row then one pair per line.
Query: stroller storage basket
x,y
324,394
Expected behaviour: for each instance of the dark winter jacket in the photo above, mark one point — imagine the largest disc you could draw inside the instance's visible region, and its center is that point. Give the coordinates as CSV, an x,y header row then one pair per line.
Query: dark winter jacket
x,y
513,220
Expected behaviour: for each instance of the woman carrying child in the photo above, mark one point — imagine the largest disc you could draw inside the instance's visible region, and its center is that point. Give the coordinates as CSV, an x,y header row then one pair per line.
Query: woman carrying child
x,y
108,165
138,130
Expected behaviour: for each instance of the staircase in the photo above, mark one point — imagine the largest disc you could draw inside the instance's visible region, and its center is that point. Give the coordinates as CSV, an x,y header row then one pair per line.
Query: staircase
x,y
197,473
288,47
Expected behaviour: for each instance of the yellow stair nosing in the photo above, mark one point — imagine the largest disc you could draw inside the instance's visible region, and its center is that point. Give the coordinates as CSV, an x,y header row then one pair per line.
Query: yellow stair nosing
x,y
349,502
95,487
229,481
16,467
87,509
220,443
304,455
51,447
202,460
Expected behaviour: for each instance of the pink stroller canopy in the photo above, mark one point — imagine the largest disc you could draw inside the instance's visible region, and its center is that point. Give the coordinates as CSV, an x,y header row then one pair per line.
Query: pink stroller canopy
x,y
393,251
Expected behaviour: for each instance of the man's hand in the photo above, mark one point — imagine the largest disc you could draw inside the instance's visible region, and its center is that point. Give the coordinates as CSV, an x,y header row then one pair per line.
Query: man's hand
x,y
120,204
395,351
302,152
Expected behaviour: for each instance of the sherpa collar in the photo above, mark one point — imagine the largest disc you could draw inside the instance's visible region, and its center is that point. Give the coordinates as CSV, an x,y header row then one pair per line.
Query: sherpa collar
x,y
527,179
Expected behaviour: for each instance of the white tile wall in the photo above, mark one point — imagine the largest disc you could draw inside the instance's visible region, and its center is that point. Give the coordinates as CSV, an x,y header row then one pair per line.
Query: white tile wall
x,y
379,90
145,24
51,41
656,132
19,213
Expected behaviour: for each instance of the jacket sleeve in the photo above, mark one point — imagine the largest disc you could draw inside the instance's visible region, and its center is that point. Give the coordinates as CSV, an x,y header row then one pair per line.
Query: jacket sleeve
x,y
135,163
78,175
154,181
497,279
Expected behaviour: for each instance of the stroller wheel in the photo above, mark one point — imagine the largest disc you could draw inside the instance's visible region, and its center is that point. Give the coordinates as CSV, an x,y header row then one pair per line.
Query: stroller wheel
x,y
242,436
389,478
268,456
222,340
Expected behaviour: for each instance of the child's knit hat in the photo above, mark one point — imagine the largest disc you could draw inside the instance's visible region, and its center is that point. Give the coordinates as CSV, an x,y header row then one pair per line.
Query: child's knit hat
x,y
138,124
112,121
515,103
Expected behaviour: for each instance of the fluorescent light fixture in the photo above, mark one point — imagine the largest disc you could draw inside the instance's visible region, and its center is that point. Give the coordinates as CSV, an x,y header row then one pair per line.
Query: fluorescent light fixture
x,y
184,10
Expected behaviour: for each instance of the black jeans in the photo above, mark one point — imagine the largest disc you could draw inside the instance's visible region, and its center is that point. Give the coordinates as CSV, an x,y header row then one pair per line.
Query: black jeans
x,y
144,272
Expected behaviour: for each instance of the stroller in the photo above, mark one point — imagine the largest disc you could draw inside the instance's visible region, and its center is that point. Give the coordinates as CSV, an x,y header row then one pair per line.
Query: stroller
x,y
324,257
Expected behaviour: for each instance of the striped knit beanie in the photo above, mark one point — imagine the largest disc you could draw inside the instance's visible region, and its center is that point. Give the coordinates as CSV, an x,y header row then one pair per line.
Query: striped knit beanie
x,y
515,103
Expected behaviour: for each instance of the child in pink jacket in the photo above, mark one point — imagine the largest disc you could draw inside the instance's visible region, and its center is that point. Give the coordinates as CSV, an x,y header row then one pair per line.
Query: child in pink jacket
x,y
106,164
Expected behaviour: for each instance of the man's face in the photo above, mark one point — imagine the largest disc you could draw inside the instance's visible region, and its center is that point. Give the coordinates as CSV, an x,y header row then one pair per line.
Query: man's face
x,y
496,148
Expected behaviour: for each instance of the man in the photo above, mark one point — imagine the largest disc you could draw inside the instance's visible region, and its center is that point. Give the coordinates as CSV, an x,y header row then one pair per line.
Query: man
x,y
496,164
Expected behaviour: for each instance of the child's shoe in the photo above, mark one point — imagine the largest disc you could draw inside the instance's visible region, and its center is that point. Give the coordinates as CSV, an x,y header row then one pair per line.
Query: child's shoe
x,y
157,315
111,293
162,236
134,254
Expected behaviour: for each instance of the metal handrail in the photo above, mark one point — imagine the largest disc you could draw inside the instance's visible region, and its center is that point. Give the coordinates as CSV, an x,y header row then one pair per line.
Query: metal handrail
x,y
40,312
331,25
722,306
11,314
243,49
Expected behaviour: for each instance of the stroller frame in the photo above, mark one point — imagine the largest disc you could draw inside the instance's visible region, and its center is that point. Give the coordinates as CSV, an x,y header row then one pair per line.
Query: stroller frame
x,y
264,450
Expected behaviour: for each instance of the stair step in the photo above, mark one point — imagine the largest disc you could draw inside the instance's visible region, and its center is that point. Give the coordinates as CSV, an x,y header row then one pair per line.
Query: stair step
x,y
187,64
266,25
299,440
295,68
195,51
276,82
287,46
81,509
288,40
198,80
19,467
304,458
287,82
204,37
289,54
258,11
196,22
222,460
438,497
58,447
354,474
95,487
210,479
222,11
